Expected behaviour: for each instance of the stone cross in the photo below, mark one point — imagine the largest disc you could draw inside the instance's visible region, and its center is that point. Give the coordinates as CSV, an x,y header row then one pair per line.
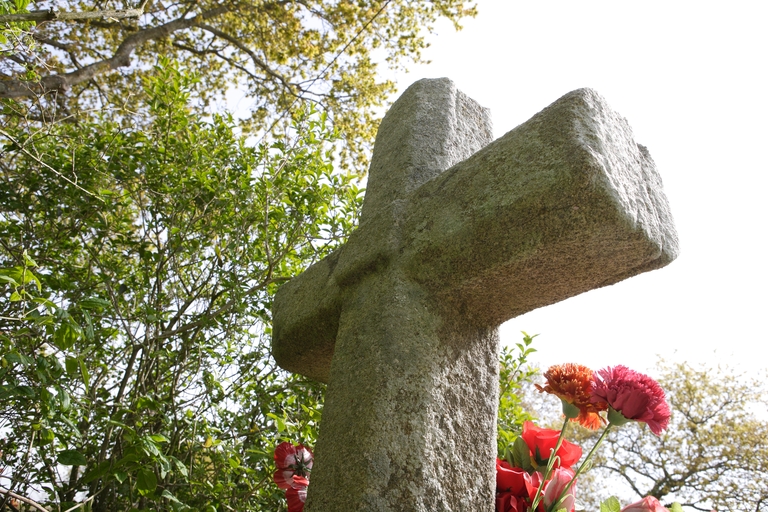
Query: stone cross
x,y
457,235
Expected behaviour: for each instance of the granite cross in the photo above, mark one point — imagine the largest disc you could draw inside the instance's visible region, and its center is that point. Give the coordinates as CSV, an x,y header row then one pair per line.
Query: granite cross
x,y
457,235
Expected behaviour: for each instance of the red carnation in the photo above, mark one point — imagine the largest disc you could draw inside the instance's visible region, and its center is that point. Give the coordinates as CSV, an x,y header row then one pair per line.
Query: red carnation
x,y
634,395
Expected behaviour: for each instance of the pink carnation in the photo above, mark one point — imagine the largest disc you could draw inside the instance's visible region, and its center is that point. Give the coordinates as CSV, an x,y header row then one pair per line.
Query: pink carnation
x,y
634,395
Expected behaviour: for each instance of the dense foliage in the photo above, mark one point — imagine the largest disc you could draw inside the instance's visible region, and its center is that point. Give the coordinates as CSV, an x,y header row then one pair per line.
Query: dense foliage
x,y
282,53
138,269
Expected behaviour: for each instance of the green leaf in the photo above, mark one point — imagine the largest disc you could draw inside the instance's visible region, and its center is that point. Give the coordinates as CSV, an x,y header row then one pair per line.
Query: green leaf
x,y
71,458
146,482
97,472
66,335
521,455
167,495
94,303
89,335
63,399
84,373
8,279
610,505
72,365
15,357
28,261
676,507
46,436
146,402
180,467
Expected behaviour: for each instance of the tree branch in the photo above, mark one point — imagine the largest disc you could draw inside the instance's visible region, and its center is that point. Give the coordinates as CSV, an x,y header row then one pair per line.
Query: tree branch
x,y
24,499
255,58
56,15
121,58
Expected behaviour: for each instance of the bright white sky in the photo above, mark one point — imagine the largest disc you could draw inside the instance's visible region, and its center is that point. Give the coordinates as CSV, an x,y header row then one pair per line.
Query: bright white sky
x,y
692,80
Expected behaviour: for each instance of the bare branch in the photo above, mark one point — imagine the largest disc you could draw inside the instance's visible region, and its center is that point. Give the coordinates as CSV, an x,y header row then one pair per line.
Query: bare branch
x,y
24,499
121,58
56,15
255,58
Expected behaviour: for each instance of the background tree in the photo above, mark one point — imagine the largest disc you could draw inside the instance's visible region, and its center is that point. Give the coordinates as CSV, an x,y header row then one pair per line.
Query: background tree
x,y
283,53
139,265
713,456
142,236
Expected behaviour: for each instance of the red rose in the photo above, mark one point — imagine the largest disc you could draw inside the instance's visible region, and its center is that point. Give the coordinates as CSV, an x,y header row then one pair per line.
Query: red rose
x,y
647,504
541,442
511,479
507,502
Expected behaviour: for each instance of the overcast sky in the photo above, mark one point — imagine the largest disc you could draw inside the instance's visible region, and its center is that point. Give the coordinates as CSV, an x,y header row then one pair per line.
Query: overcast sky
x,y
691,79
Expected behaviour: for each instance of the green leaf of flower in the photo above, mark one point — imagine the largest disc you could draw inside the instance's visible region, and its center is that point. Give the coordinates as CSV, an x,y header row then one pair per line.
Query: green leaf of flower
x,y
610,505
521,455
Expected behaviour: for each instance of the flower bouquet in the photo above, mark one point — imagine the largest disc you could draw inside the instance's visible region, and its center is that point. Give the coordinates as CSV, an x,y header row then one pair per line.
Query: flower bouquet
x,y
537,471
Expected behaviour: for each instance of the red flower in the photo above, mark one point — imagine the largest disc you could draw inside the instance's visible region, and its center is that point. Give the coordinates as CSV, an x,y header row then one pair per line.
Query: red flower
x,y
512,480
297,494
508,502
647,504
573,383
293,463
541,442
634,395
562,479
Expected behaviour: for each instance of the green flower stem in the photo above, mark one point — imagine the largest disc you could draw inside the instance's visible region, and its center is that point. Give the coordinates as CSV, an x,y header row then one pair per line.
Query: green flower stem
x,y
582,466
550,464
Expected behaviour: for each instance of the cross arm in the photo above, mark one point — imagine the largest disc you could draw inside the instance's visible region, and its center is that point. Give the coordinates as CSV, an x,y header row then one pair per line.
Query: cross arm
x,y
562,204
305,320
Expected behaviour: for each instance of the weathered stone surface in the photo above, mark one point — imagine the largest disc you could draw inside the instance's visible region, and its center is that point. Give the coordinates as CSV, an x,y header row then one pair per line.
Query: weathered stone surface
x,y
401,321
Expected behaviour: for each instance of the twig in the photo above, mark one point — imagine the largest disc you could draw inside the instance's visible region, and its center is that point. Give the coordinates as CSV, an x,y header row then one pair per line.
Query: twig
x,y
56,15
26,500
60,175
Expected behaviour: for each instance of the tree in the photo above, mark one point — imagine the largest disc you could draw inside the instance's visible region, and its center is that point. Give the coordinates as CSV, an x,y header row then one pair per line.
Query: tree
x,y
713,456
139,257
284,53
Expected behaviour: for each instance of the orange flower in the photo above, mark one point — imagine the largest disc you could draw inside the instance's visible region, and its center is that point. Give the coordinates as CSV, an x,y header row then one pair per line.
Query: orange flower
x,y
573,383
